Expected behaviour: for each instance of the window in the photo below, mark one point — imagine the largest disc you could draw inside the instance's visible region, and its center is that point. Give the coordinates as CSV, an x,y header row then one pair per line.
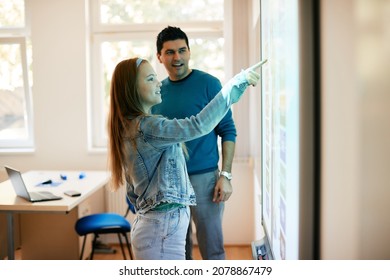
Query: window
x,y
121,29
16,131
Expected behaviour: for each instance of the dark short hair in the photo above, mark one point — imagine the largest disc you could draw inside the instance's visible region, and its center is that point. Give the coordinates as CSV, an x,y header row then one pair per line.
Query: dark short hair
x,y
170,33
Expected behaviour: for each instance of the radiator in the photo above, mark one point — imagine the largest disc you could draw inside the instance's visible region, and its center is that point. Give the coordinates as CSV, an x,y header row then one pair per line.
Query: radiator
x,y
116,203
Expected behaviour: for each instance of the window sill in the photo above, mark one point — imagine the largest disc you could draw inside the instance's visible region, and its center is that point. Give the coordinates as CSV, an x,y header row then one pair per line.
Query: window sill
x,y
12,151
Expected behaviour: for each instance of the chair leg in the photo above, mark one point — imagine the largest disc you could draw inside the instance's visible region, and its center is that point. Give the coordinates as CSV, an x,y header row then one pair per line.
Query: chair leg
x,y
93,246
82,250
121,243
128,247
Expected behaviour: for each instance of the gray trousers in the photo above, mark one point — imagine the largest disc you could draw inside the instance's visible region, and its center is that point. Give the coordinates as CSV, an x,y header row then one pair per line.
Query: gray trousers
x,y
207,216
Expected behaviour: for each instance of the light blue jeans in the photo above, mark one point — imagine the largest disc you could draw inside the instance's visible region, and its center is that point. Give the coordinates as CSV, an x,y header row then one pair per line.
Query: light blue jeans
x,y
160,235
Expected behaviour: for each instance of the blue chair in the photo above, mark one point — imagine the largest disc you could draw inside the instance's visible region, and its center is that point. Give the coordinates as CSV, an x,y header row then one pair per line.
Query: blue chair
x,y
105,223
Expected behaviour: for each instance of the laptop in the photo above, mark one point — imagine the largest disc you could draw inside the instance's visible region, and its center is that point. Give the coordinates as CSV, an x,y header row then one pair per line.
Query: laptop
x,y
21,190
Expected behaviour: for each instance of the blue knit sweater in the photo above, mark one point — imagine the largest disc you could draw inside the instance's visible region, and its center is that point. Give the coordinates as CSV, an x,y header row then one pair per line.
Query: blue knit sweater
x,y
187,97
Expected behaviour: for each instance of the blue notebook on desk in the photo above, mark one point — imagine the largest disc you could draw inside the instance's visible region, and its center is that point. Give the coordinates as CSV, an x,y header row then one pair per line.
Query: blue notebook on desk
x,y
21,190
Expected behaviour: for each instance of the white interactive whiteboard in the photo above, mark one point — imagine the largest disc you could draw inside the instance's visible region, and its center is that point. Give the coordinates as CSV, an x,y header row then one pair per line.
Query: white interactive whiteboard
x,y
288,135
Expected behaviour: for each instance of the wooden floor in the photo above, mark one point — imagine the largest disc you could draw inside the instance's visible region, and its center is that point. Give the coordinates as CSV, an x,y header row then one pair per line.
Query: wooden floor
x,y
240,252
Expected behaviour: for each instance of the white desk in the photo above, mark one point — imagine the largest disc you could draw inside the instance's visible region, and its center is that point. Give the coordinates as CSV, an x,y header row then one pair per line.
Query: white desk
x,y
40,229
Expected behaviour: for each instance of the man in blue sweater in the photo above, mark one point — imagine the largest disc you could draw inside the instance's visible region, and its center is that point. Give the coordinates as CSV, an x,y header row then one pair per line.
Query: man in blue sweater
x,y
184,93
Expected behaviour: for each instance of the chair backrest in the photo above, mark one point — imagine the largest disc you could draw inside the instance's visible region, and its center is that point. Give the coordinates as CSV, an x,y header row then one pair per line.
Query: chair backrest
x,y
130,207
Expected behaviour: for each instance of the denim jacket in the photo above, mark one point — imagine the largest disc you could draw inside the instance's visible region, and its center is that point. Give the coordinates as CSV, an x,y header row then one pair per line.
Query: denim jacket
x,y
156,169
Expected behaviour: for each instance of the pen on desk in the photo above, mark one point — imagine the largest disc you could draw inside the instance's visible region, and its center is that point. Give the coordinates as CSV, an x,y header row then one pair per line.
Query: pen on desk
x,y
47,182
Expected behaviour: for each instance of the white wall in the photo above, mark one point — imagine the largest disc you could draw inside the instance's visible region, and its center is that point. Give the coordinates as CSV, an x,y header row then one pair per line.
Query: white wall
x,y
355,55
240,60
59,90
238,220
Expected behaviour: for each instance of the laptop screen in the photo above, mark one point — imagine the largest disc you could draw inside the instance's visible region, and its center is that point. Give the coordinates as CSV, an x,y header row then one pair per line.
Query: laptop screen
x,y
17,182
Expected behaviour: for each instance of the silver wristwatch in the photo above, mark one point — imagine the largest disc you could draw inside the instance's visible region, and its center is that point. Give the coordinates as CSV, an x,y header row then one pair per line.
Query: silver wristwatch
x,y
228,175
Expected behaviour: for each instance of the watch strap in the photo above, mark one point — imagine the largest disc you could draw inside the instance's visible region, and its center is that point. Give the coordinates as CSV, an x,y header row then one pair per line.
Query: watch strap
x,y
226,174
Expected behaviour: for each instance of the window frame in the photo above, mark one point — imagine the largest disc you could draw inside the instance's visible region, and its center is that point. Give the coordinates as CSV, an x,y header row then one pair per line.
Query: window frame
x,y
19,36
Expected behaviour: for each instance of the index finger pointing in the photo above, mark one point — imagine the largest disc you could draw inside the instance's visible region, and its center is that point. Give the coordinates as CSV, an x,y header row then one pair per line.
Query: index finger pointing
x,y
257,65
